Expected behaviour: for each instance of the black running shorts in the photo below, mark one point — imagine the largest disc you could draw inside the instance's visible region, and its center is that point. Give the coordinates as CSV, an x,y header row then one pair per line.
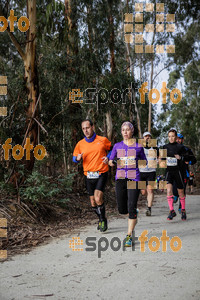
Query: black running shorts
x,y
147,176
190,182
96,184
170,177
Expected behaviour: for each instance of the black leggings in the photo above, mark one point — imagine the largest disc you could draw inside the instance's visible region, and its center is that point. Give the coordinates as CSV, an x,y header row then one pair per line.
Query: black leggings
x,y
126,198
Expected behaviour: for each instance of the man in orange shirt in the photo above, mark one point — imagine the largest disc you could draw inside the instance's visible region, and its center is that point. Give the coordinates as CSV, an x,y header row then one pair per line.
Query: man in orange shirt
x,y
92,150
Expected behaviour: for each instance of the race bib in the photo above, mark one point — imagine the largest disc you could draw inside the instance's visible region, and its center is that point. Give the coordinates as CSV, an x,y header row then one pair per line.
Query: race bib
x,y
191,178
93,175
127,161
171,161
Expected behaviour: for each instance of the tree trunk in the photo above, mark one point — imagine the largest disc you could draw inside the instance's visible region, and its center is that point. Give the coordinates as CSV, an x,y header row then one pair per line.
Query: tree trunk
x,y
130,69
150,104
151,80
31,77
140,69
109,125
137,113
70,13
133,92
63,146
72,52
111,37
89,25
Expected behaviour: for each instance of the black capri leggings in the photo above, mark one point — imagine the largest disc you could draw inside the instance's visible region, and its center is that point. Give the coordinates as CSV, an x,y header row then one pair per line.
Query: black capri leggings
x,y
126,198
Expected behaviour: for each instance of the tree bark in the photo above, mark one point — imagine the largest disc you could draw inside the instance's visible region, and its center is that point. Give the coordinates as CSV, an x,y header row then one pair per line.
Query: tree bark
x,y
109,125
31,78
151,80
130,69
30,66
111,37
137,113
72,52
150,104
89,25
134,100
70,12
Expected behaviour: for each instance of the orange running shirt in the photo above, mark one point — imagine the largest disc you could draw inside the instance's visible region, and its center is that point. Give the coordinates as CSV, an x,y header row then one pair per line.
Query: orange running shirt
x,y
93,153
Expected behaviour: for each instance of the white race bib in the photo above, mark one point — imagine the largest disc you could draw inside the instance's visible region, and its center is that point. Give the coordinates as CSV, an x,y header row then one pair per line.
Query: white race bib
x,y
171,161
93,175
127,161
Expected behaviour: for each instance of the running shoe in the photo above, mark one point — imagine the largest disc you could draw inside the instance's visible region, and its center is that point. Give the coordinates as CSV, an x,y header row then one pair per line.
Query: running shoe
x,y
175,199
128,241
103,226
99,225
183,215
172,214
148,212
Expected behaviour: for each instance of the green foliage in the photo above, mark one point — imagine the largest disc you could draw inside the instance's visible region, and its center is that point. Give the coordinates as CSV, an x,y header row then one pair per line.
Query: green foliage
x,y
60,70
40,188
66,182
7,189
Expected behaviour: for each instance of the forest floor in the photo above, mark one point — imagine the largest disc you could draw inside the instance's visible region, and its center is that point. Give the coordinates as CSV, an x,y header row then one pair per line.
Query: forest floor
x,y
29,226
55,271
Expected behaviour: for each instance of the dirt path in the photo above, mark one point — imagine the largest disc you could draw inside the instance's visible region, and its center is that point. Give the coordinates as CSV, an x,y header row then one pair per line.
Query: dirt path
x,y
54,271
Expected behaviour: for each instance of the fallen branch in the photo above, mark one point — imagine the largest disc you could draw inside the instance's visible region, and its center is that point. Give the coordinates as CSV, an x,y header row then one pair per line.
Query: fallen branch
x,y
5,213
26,206
34,219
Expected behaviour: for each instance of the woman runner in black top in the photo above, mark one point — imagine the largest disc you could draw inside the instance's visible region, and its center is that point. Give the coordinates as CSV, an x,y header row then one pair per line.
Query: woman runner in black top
x,y
175,153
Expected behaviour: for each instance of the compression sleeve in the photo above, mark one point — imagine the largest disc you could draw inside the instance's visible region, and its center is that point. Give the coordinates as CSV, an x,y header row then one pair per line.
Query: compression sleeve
x,y
109,154
77,150
74,160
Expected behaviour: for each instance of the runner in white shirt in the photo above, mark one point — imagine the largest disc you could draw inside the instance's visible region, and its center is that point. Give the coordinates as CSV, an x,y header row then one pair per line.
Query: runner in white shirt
x,y
148,174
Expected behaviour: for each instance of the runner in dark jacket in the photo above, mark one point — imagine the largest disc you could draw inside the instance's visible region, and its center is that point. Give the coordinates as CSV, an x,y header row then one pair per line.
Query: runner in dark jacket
x,y
174,157
189,159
